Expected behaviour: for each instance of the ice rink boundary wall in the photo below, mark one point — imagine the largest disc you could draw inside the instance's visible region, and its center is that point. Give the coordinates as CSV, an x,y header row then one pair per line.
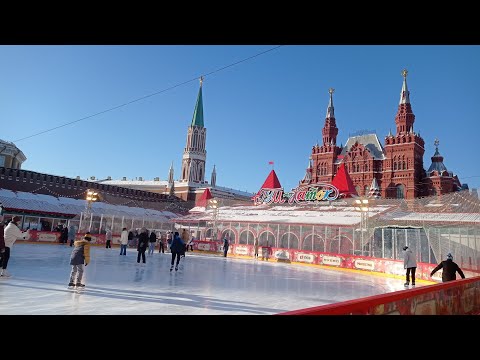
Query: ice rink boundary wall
x,y
460,297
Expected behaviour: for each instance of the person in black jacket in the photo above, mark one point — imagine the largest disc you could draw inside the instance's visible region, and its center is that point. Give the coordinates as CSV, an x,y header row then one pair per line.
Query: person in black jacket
x,y
142,245
152,241
449,269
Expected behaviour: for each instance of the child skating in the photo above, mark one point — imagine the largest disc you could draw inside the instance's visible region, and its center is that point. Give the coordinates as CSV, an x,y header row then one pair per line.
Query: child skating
x,y
80,255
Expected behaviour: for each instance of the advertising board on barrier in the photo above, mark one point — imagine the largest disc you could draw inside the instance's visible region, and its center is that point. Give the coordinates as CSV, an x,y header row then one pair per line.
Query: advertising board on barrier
x,y
204,246
282,255
364,264
303,257
331,260
241,250
47,237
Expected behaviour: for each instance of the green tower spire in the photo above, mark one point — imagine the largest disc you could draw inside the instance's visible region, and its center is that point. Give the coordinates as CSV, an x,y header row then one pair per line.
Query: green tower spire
x,y
197,119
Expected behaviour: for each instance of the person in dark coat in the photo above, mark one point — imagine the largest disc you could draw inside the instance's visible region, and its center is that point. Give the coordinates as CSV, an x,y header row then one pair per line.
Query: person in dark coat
x,y
177,248
80,255
152,241
449,269
64,234
142,245
225,246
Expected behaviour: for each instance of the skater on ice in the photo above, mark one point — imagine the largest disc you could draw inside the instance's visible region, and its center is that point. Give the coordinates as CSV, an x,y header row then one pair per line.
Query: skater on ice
x,y
80,255
450,269
177,248
409,263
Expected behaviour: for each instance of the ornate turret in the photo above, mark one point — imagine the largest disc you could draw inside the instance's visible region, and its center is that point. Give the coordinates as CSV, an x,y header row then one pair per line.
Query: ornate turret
x,y
437,161
405,117
330,130
195,154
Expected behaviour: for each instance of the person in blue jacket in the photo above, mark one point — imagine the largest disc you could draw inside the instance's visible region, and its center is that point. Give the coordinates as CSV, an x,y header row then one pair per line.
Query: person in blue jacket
x,y
177,248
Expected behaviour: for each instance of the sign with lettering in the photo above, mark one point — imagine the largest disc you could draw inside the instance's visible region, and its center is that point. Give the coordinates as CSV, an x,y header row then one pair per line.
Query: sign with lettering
x,y
364,264
308,258
331,260
241,250
302,194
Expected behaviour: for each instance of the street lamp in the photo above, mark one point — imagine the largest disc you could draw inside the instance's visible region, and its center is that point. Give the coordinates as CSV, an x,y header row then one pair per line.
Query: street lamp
x,y
213,205
362,205
92,196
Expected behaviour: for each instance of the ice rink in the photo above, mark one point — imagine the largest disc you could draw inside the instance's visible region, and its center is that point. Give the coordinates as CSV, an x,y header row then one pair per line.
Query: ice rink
x,y
204,284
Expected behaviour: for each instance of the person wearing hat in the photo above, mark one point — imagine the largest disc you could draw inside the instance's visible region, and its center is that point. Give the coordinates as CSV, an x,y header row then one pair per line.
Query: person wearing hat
x,y
11,234
80,255
409,263
449,269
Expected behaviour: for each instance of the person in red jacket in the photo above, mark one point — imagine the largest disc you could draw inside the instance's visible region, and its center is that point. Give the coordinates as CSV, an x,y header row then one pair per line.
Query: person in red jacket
x,y
449,269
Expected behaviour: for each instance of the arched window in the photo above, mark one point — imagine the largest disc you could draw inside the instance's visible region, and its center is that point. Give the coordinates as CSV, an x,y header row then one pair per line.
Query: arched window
x,y
357,189
400,191
367,188
246,237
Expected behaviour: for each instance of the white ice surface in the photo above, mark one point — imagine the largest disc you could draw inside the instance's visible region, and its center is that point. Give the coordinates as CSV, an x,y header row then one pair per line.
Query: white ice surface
x,y
205,284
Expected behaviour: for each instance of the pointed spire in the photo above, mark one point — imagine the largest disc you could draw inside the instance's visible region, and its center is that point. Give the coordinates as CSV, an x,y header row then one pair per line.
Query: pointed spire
x,y
343,182
330,108
170,174
203,199
390,133
308,174
404,94
213,180
197,119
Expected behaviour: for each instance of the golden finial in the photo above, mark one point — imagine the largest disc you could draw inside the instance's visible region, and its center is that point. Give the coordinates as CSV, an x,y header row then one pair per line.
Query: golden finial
x,y
331,91
201,81
404,73
436,142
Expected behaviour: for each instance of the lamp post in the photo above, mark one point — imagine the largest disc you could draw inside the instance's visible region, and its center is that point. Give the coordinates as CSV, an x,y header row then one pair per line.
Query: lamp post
x,y
92,196
362,205
213,205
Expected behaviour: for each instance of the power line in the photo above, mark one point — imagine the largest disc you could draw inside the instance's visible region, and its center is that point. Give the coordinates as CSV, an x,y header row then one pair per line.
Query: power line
x,y
150,95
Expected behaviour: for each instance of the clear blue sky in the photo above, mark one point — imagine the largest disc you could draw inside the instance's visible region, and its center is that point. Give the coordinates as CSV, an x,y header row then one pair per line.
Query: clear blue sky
x,y
270,108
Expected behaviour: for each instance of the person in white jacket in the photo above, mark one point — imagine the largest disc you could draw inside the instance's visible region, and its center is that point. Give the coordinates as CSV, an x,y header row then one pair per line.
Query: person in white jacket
x,y
11,234
409,263
123,241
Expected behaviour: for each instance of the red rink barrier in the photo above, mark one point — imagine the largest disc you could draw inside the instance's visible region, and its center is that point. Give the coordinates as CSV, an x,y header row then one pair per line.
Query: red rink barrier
x,y
460,297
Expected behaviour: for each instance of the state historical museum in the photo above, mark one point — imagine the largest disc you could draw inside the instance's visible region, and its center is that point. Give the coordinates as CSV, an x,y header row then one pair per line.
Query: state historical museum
x,y
394,170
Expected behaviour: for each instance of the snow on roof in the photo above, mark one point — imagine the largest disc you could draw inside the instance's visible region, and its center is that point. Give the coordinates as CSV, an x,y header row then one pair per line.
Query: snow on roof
x,y
145,184
136,182
369,141
434,217
325,215
68,206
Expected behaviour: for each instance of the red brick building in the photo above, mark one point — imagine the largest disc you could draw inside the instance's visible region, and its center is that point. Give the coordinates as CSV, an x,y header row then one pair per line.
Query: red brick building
x,y
396,167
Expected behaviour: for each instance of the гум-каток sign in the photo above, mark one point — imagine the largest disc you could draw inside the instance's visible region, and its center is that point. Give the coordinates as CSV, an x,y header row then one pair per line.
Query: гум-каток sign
x,y
302,194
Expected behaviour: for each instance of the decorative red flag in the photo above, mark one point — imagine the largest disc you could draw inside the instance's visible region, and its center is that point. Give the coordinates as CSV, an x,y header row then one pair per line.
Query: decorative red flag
x,y
270,163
